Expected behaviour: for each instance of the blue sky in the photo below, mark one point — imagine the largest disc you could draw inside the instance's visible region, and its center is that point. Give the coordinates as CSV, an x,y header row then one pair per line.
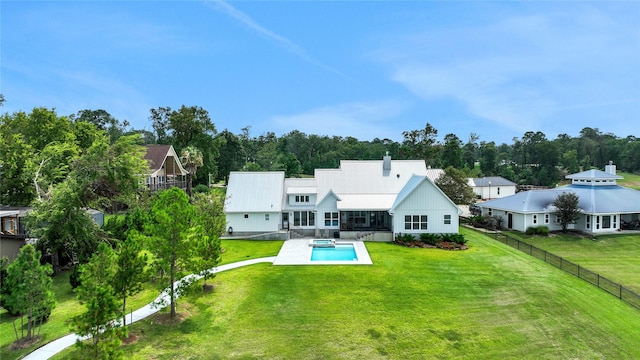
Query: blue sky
x,y
367,69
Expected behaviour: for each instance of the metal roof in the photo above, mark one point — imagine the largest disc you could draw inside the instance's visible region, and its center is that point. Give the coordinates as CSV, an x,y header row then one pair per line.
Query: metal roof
x,y
593,174
491,181
255,191
592,200
370,202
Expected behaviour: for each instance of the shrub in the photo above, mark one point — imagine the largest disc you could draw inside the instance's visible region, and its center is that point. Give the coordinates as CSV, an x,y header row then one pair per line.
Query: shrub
x,y
405,238
455,238
430,239
201,188
537,230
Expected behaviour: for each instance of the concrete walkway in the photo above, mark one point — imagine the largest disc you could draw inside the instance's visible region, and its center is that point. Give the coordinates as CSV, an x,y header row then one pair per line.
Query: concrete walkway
x,y
54,347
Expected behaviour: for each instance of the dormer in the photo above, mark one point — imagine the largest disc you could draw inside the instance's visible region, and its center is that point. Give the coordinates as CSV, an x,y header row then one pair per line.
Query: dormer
x,y
302,195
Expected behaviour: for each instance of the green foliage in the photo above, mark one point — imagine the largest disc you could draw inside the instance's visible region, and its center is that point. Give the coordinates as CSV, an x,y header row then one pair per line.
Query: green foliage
x,y
172,223
455,238
405,237
131,269
30,288
431,239
98,296
455,185
567,208
201,188
537,230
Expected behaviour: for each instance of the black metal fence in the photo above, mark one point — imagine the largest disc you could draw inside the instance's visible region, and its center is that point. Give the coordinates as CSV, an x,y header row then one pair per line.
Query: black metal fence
x,y
612,287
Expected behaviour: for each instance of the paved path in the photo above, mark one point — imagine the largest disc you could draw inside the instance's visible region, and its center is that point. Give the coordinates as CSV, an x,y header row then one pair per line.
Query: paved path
x,y
64,342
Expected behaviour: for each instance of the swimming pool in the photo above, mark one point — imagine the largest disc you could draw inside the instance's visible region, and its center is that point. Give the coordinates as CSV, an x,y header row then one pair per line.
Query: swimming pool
x,y
341,252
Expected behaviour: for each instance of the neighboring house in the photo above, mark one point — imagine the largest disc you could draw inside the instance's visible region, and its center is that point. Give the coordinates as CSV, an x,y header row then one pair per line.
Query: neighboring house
x,y
13,233
376,198
165,168
605,206
492,187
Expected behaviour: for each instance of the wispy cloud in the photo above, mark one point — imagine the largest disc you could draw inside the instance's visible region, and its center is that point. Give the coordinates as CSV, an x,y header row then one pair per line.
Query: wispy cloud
x,y
362,120
288,45
524,72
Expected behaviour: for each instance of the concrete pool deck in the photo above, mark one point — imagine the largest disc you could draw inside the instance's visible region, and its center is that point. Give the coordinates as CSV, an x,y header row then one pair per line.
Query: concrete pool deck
x,y
298,252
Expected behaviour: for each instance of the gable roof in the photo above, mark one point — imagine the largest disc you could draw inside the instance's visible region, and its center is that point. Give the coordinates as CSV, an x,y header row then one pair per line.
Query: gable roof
x,y
156,157
412,185
255,192
592,200
490,181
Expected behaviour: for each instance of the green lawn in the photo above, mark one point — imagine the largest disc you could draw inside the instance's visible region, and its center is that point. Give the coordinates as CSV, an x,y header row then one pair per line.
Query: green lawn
x,y
488,302
630,180
68,307
616,257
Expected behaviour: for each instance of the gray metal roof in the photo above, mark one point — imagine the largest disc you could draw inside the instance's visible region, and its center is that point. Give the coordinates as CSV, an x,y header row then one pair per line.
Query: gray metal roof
x,y
491,181
593,174
592,200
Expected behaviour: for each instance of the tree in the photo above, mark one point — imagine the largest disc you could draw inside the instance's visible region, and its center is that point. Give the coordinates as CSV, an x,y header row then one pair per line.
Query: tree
x,y
131,273
30,285
488,153
191,159
231,155
171,225
98,296
567,208
213,222
452,151
420,144
63,226
454,184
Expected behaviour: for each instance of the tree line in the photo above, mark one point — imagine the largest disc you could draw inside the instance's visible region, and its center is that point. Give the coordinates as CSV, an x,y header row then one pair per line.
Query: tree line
x,y
42,145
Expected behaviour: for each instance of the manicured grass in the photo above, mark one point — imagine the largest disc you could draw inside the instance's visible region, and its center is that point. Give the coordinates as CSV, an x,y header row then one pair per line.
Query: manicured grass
x,y
630,180
68,307
488,302
616,257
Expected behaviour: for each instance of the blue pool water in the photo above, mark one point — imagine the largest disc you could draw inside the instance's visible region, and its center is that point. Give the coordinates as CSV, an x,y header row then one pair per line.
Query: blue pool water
x,y
339,253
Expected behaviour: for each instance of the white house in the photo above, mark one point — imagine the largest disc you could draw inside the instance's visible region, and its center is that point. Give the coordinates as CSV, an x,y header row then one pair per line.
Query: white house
x,y
374,198
605,206
492,187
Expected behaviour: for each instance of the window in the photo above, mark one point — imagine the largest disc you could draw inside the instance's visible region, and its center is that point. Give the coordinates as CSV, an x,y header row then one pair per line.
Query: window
x,y
302,198
331,219
415,222
588,221
246,216
535,218
606,221
597,222
266,217
304,218
447,219
546,218
557,220
490,212
498,191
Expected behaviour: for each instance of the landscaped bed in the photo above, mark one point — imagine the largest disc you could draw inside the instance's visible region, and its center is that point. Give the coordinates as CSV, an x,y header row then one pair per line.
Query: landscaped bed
x,y
488,302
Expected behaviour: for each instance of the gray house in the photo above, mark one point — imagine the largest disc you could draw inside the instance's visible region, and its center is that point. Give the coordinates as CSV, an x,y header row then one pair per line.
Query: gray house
x,y
605,206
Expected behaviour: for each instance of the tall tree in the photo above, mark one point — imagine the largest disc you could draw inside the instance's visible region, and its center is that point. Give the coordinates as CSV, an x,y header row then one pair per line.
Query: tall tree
x,y
172,223
488,154
131,269
452,151
420,144
455,185
230,154
191,158
567,208
211,219
96,293
30,285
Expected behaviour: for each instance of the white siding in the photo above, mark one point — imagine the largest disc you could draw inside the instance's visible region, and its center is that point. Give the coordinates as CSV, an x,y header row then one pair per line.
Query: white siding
x,y
254,222
427,200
